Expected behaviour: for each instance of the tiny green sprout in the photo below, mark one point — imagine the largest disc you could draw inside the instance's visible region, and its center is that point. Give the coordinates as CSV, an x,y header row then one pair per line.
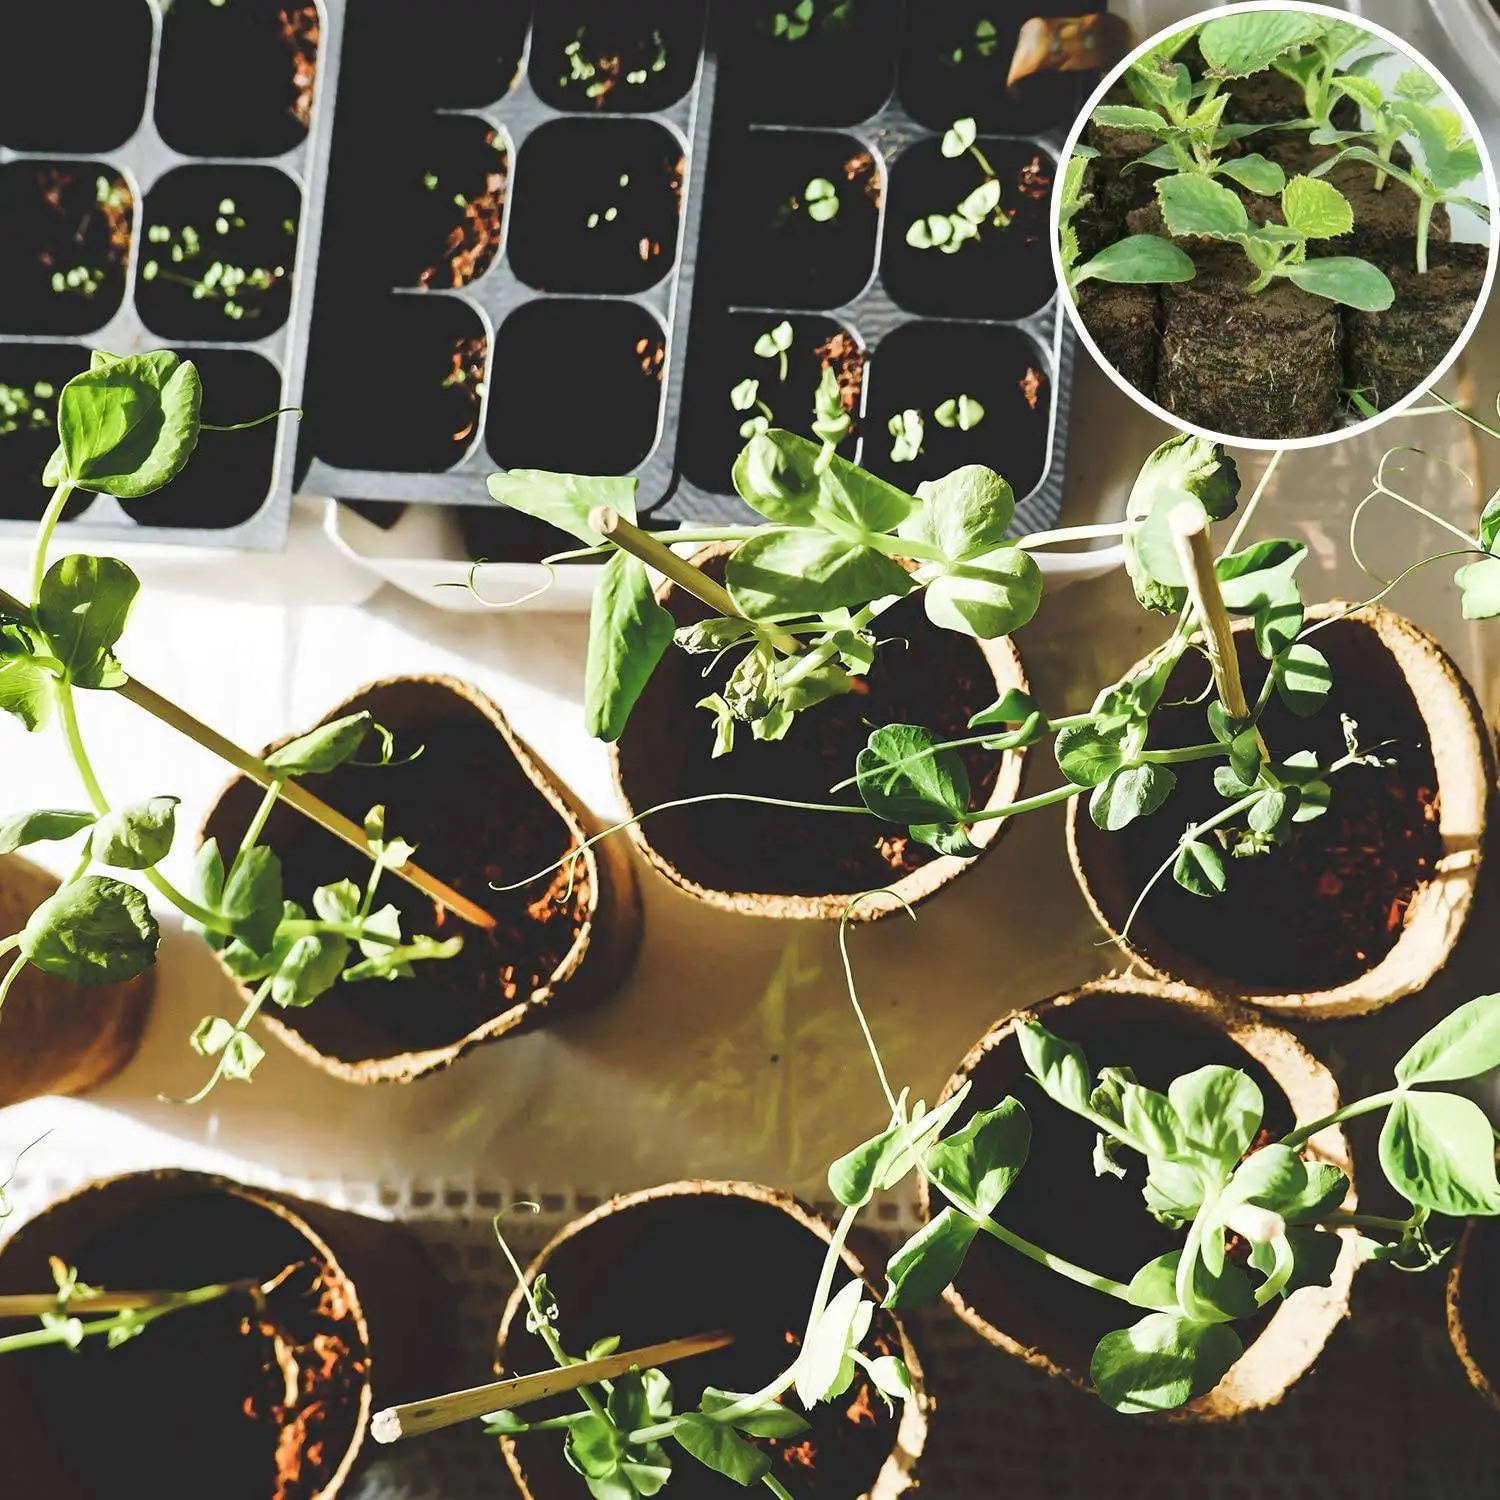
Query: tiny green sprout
x,y
429,180
831,422
907,429
822,200
746,397
950,232
807,17
774,344
985,39
962,412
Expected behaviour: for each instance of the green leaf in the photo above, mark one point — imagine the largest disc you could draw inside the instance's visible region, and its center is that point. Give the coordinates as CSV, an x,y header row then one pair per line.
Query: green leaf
x,y
1271,813
1303,678
1129,117
768,1420
321,749
311,967
91,931
1191,464
1197,205
127,426
1058,1065
1438,1151
825,1368
26,692
901,781
890,1377
1257,173
1088,755
853,1178
1260,581
1489,523
979,1164
1132,792
1236,46
1450,159
1325,1189
1315,209
1162,1362
629,633
1315,1253
963,514
242,1055
802,571
211,1036
564,500
1154,1287
83,607
45,825
1220,1109
989,596
722,1449
1156,542
1346,279
1478,582
1274,1177
1199,868
1461,1045
926,1264
853,495
206,887
136,837
252,897
1138,259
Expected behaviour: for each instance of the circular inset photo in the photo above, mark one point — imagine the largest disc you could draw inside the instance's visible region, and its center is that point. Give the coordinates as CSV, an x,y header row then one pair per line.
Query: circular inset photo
x,y
1273,224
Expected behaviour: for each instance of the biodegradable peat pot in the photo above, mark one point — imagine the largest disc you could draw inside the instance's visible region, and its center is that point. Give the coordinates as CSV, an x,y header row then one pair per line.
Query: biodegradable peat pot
x,y
767,861
693,1257
1474,1307
1366,903
1100,1222
482,810
56,1037
218,1399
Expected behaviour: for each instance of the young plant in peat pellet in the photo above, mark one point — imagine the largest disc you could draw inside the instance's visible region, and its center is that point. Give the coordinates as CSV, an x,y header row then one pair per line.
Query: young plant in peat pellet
x,y
1142,259
978,209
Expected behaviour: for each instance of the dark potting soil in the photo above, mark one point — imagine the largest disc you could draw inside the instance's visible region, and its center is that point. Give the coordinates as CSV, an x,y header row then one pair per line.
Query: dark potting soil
x,y
476,820
675,1266
237,80
921,365
922,675
107,47
1005,272
601,55
64,246
1388,354
1329,905
228,1399
1122,320
616,231
31,375
495,533
1059,1203
1266,366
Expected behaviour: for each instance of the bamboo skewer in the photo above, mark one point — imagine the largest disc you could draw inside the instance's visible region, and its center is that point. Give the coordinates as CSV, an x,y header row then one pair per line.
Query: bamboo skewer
x,y
85,1304
418,1417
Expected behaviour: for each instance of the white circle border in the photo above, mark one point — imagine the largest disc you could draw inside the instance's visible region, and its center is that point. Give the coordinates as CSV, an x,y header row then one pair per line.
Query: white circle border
x,y
1317,440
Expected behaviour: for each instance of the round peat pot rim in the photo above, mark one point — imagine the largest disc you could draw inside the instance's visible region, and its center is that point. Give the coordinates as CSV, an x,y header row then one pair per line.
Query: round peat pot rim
x,y
1290,1343
1481,1379
173,1182
896,1473
404,1067
1464,766
1004,662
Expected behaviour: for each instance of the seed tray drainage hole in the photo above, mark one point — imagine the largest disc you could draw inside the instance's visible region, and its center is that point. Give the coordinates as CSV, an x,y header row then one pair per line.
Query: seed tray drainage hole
x,y
73,73
614,227
31,377
982,396
795,215
231,473
396,384
217,253
953,247
605,55
237,79
808,62
541,352
65,229
722,359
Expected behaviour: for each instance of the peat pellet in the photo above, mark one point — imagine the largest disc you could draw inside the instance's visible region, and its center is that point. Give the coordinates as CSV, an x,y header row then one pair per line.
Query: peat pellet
x,y
1388,354
1261,366
1122,320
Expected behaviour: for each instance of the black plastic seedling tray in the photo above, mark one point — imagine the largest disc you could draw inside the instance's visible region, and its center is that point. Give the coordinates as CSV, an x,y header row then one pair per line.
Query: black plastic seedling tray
x,y
140,134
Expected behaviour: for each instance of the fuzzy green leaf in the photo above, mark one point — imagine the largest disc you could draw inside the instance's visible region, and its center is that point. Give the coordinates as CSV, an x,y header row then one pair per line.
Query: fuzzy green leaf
x,y
1197,205
1162,1362
981,1162
91,931
135,837
83,608
321,749
629,633
1132,792
1237,46
1138,259
1346,279
45,825
1256,172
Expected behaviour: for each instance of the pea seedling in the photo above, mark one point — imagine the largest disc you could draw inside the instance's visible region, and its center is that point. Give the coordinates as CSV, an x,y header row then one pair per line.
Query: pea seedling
x,y
598,75
23,410
951,232
1138,258
984,41
808,18
241,289
822,200
908,430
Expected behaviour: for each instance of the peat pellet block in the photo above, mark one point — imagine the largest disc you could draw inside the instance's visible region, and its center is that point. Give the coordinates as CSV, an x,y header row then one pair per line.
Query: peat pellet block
x,y
1122,320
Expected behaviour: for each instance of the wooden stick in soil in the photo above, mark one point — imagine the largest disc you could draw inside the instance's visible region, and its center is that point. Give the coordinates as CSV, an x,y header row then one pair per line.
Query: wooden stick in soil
x,y
417,1417
81,1304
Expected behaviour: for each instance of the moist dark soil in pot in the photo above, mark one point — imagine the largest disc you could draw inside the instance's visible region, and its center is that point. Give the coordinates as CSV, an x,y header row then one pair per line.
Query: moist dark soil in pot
x,y
677,1266
1332,903
237,79
602,210
73,74
67,228
710,435
199,1401
923,364
1099,1222
1004,273
476,820
922,675
1123,323
31,375
601,55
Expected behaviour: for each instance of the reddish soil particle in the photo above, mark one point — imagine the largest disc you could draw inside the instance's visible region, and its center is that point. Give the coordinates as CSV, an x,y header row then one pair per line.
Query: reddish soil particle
x,y
469,358
860,170
301,33
474,242
847,360
75,201
1031,385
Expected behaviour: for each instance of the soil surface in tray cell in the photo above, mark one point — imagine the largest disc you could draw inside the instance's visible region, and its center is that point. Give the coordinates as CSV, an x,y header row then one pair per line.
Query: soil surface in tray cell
x,y
395,383
229,475
605,55
257,1404
542,351
495,533
807,62
73,73
598,206
1332,903
923,367
795,216
479,823
65,231
722,356
956,57
31,377
672,1267
922,675
1005,271
217,252
237,79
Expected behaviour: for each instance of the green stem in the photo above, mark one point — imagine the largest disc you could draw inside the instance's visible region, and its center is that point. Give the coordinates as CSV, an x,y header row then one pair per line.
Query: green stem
x,y
258,822
48,524
901,546
134,1318
1188,752
1076,533
776,1487
1424,225
10,943
10,975
1304,1133
251,1010
1056,1263
1242,521
1025,805
1343,1219
62,692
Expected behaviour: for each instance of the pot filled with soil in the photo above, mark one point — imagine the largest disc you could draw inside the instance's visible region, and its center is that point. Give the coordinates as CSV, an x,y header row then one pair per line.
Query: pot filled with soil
x,y
1362,905
769,861
1060,1202
484,812
1474,1307
56,1037
262,1393
695,1256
